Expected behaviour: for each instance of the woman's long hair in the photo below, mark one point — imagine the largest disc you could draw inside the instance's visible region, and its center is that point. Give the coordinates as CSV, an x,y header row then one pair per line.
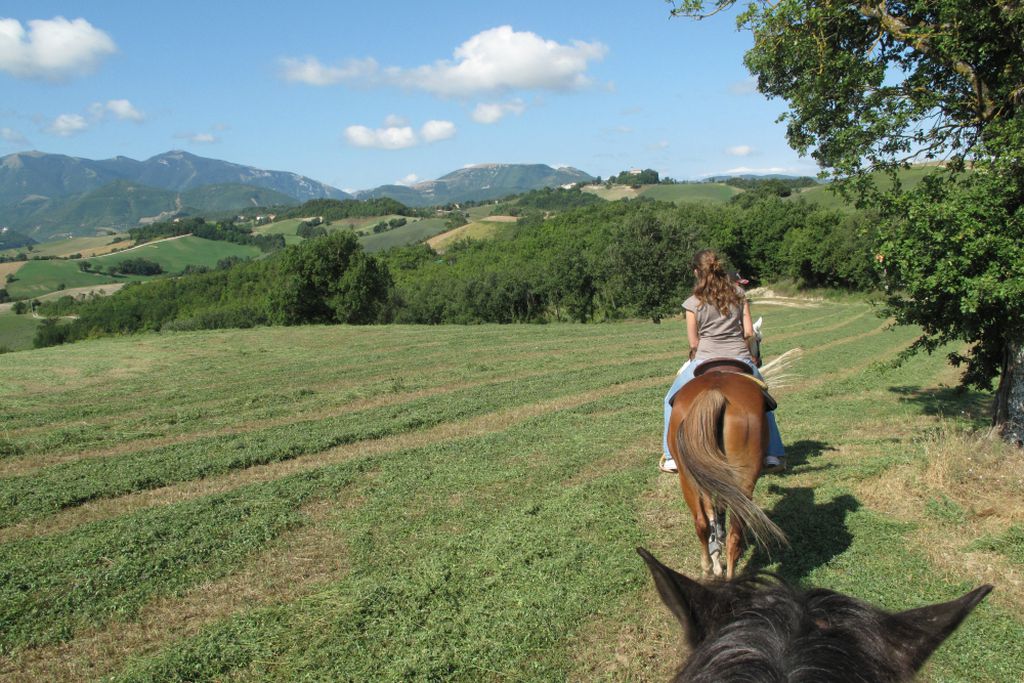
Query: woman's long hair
x,y
713,284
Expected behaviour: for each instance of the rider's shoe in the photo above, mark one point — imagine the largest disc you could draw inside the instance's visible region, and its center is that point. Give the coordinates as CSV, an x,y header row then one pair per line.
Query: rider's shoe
x,y
773,463
667,464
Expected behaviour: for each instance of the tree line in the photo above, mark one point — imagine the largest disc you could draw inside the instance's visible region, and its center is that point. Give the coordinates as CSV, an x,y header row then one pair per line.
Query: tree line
x,y
604,261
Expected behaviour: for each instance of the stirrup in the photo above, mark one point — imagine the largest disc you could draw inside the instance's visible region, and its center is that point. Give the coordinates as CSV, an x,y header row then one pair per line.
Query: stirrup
x,y
667,464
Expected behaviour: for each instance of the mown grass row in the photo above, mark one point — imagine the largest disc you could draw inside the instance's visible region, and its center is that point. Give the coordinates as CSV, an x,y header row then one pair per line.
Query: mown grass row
x,y
225,402
69,484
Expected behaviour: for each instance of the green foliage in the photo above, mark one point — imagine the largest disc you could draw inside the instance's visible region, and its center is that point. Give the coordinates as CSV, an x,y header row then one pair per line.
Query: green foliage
x,y
456,219
955,264
871,87
137,266
337,209
331,280
647,176
554,199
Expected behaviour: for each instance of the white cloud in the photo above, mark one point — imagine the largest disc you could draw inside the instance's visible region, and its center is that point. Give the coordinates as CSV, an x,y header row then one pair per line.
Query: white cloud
x,y
398,136
198,138
123,109
745,87
395,121
493,112
410,179
68,124
394,137
740,151
495,60
12,136
760,171
433,131
660,144
53,49
311,72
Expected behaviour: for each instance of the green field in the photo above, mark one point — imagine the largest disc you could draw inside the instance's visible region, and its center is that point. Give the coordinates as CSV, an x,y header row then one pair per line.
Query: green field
x,y
691,192
286,227
412,232
823,196
613,193
39,277
460,503
17,331
480,230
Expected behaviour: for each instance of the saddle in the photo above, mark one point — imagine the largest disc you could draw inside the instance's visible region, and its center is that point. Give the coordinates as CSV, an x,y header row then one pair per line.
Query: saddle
x,y
736,367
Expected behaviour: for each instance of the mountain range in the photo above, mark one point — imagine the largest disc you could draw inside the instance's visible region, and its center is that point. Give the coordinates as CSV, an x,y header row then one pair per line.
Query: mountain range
x,y
481,182
50,195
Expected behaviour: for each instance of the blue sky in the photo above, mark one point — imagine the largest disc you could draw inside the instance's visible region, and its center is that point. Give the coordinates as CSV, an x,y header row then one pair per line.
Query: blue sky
x,y
362,94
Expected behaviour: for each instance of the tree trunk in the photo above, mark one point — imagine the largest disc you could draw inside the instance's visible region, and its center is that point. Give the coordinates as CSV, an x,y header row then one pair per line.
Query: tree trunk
x,y
1009,408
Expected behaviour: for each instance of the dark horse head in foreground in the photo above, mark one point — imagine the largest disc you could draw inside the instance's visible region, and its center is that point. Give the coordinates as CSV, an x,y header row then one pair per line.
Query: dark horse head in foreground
x,y
757,628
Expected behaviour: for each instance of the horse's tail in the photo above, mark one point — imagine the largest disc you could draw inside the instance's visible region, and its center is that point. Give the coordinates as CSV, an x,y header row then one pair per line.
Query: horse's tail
x,y
706,463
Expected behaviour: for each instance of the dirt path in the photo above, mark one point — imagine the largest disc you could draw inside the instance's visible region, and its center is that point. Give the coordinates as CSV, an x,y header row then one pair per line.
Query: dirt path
x,y
145,244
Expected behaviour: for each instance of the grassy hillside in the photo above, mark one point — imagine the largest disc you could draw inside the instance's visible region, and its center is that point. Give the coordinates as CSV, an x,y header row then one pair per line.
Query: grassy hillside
x,y
690,192
459,503
477,230
680,192
16,331
613,193
825,197
411,233
39,277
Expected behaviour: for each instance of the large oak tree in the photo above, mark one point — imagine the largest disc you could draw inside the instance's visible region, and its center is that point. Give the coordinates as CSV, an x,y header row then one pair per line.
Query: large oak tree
x,y
876,85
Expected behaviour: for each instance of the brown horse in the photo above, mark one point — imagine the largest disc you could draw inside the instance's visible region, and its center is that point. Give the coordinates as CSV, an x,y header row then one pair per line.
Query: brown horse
x,y
721,437
758,628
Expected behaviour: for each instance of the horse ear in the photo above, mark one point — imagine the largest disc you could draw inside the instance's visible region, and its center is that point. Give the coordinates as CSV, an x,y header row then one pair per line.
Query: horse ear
x,y
918,632
691,603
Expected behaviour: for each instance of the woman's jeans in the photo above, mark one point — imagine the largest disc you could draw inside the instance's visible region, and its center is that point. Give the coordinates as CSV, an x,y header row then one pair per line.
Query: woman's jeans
x,y
775,446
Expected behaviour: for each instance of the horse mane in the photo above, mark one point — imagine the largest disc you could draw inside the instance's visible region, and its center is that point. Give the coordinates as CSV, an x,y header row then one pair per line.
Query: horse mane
x,y
780,633
759,629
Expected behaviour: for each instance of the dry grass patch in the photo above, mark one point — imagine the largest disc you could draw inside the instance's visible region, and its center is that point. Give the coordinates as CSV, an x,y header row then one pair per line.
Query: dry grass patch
x,y
10,267
967,485
289,568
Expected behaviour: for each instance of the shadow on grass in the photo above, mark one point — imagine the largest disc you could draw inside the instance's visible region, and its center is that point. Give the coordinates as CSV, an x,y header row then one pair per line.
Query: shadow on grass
x,y
800,452
817,533
974,405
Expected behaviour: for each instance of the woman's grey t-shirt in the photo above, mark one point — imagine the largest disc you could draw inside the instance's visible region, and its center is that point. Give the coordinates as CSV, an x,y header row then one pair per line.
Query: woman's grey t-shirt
x,y
720,335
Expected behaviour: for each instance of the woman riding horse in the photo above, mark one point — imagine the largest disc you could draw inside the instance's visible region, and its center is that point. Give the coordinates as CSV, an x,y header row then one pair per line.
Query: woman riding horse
x,y
718,325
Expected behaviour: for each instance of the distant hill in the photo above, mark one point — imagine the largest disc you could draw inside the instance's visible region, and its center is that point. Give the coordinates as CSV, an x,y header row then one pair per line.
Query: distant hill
x,y
479,183
39,191
10,239
122,204
26,174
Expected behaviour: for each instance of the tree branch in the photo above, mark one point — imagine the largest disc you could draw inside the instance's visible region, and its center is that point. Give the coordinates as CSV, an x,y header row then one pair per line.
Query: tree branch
x,y
899,29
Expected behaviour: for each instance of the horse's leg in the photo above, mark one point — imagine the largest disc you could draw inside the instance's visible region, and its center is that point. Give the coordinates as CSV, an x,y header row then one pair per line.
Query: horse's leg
x,y
718,535
700,519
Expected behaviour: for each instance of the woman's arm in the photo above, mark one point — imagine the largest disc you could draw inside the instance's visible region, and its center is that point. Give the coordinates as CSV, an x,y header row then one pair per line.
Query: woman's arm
x,y
691,333
748,325
749,336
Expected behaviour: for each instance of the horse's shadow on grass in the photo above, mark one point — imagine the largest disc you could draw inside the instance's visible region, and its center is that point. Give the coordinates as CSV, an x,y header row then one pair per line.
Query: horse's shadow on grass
x,y
801,452
817,533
